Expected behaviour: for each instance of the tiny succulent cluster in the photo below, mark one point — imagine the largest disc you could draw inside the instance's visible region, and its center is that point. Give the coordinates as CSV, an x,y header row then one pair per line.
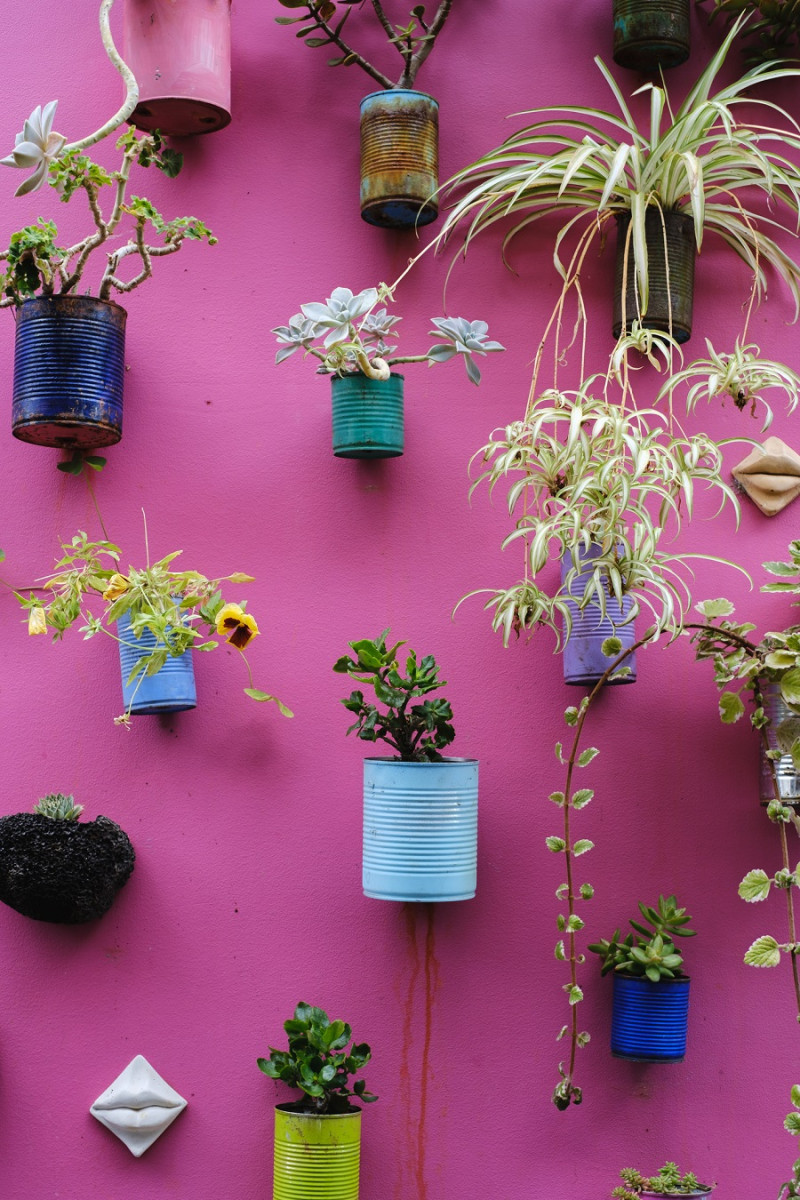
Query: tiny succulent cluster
x,y
416,731
319,1063
668,1182
58,807
649,951
351,336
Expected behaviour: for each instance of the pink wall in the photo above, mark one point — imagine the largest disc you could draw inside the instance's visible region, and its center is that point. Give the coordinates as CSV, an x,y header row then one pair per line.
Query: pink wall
x,y
246,895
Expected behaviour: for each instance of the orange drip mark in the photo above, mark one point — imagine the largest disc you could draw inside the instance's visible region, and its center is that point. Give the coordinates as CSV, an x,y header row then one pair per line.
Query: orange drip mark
x,y
431,985
409,978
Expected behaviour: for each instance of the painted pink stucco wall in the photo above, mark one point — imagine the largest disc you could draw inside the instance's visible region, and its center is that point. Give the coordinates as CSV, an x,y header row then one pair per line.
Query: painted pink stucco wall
x,y
246,895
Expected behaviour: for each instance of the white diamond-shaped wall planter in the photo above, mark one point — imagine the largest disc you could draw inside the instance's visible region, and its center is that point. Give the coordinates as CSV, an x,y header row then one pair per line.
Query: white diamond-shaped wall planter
x,y
138,1106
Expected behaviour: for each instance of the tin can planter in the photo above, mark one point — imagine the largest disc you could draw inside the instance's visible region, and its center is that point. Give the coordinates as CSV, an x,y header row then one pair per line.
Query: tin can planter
x,y
649,1020
180,53
583,658
649,34
316,1156
171,689
785,772
367,416
69,367
670,256
399,158
420,829
66,872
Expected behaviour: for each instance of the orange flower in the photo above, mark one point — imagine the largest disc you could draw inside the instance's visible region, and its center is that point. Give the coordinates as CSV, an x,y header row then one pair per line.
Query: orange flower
x,y
237,625
117,586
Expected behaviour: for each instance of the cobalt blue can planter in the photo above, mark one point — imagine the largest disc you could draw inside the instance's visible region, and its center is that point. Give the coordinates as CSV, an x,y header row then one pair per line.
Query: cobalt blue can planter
x,y
367,416
399,158
584,661
420,829
68,372
171,689
649,1020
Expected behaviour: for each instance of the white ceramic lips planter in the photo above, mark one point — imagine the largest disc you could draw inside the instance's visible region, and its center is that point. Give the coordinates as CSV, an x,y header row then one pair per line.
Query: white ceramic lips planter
x,y
138,1106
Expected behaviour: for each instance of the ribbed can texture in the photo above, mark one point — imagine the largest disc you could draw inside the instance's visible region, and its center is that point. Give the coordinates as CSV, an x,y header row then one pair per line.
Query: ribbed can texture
x,y
583,658
399,158
649,34
649,1020
316,1157
172,689
673,294
367,416
787,775
69,367
420,829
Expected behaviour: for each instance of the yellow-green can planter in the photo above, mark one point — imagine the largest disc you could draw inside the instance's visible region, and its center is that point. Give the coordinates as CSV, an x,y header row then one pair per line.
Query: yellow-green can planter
x,y
316,1157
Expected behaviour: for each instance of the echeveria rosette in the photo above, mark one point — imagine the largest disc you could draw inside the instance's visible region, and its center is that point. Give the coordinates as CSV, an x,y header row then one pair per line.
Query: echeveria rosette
x,y
297,335
464,337
36,146
339,313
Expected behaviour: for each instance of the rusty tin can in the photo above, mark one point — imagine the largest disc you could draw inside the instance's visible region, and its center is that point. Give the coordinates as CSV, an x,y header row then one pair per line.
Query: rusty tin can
x,y
399,158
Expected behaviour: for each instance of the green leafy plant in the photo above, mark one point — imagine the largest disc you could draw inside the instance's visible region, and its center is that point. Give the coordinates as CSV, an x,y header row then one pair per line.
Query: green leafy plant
x,y
772,30
790,1189
413,41
58,807
649,952
416,731
36,264
319,1063
668,1182
352,337
182,609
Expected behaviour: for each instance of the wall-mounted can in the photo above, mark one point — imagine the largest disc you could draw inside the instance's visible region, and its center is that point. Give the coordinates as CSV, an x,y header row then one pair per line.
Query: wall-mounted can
x,y
171,689
671,250
649,1020
781,770
316,1155
583,658
651,34
367,416
180,53
69,368
399,158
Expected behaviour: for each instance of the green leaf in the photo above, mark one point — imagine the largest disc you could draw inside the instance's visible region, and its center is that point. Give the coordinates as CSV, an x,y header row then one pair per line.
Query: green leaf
x,y
557,798
581,847
790,686
764,952
587,891
560,952
556,844
611,647
795,1095
715,608
574,923
574,993
792,1122
571,715
586,757
755,886
582,797
255,694
730,707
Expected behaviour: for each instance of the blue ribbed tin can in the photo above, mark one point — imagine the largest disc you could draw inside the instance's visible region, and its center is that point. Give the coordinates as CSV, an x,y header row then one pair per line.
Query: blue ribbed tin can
x,y
420,829
649,1019
399,158
584,661
367,416
171,689
69,367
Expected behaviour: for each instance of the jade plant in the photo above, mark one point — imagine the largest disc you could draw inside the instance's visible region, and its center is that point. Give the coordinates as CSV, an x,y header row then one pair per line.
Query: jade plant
x,y
669,1181
347,335
179,609
325,20
416,731
772,30
37,265
649,952
319,1063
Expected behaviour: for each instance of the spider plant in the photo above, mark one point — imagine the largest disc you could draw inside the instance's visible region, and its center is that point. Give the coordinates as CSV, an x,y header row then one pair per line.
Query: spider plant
x,y
697,159
587,471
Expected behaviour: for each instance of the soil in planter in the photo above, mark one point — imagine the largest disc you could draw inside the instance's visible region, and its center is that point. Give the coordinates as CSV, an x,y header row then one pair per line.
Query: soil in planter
x,y
62,871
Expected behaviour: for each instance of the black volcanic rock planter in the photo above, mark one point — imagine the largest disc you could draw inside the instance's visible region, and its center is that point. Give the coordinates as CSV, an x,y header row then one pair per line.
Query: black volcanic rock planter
x,y
62,871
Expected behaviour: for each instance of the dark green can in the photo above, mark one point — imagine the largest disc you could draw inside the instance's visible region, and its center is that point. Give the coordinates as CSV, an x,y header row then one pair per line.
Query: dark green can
x,y
367,416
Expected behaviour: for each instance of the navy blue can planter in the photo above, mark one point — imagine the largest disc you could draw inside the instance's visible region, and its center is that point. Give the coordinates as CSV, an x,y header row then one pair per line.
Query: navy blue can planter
x,y
171,689
584,661
649,1020
399,158
68,372
420,829
367,416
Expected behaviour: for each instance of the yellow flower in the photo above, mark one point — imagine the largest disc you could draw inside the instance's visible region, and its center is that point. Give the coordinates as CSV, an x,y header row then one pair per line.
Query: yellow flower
x,y
37,620
237,625
117,586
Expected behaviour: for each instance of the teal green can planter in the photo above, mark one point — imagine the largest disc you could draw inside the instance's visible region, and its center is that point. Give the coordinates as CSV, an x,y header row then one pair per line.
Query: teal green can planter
x,y
420,829
367,416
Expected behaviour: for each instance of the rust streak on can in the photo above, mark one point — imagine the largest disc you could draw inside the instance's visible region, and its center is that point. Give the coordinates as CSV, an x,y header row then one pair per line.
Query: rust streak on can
x,y
399,158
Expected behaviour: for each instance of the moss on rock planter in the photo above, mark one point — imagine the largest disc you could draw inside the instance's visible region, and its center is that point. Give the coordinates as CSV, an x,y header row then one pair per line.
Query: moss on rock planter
x,y
62,871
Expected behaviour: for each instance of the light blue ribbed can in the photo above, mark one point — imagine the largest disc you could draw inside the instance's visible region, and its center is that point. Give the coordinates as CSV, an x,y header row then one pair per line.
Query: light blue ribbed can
x,y
420,829
649,1020
171,689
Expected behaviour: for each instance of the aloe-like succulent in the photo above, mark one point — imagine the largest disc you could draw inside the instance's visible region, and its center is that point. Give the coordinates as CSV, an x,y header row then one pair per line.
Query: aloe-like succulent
x,y
58,807
649,951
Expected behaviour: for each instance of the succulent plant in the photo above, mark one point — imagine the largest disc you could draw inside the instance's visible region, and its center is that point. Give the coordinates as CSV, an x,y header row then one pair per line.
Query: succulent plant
x,y
58,807
668,1182
648,952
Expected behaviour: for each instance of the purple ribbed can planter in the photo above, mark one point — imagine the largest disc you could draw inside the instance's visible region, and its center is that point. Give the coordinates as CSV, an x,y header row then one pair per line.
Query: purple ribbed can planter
x,y
420,829
649,1020
584,661
69,367
172,689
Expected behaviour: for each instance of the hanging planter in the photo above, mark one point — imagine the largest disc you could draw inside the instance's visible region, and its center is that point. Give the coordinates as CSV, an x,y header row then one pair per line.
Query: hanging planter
x,y
649,1020
583,658
783,768
180,53
170,689
367,416
651,34
399,158
670,256
316,1155
55,868
69,367
420,829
